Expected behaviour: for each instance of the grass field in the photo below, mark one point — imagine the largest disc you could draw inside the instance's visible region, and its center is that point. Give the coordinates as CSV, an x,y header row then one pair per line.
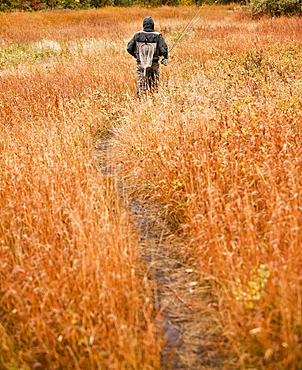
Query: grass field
x,y
218,147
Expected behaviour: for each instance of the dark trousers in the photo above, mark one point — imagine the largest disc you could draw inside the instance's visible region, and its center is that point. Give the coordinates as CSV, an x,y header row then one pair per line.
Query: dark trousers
x,y
147,80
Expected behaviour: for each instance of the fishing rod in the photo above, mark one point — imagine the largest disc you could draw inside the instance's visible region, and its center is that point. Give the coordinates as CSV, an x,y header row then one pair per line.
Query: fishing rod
x,y
183,31
186,30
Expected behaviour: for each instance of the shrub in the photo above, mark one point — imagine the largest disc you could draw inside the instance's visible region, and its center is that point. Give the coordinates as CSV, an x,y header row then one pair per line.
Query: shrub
x,y
275,8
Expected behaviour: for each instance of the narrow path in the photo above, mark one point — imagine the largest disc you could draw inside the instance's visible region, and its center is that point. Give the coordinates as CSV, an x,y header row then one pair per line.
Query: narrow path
x,y
190,337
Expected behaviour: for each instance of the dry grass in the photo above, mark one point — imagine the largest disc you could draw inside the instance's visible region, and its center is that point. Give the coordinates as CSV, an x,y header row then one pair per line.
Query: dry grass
x,y
219,146
71,295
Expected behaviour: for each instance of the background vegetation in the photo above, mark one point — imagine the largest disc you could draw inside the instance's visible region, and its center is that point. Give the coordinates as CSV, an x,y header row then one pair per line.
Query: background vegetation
x,y
219,147
256,7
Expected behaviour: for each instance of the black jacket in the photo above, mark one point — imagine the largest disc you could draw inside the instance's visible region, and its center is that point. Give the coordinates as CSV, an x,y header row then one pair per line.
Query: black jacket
x,y
148,35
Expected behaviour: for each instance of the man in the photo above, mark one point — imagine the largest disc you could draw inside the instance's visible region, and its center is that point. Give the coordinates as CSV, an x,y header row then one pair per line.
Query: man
x,y
147,78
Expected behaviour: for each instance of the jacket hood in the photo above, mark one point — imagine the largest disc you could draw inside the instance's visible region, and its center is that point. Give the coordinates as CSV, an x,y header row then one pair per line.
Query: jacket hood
x,y
148,23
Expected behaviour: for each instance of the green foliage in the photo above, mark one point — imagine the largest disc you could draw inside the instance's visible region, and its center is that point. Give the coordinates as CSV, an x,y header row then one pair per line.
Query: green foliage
x,y
8,4
32,5
276,7
257,7
99,3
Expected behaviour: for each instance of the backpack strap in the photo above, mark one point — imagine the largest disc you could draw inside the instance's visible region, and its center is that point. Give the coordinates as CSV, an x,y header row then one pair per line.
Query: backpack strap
x,y
156,51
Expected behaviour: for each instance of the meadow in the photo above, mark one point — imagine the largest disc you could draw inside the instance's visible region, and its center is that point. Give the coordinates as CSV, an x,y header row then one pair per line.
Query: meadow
x,y
218,149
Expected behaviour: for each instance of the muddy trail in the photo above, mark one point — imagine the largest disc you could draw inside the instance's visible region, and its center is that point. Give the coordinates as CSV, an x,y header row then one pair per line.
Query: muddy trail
x,y
189,335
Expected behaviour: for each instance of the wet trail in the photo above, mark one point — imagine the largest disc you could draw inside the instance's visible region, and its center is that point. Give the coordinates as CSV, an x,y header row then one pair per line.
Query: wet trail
x,y
190,337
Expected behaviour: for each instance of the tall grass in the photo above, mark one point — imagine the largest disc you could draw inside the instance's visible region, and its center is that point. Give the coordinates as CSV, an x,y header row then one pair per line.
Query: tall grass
x,y
219,146
72,295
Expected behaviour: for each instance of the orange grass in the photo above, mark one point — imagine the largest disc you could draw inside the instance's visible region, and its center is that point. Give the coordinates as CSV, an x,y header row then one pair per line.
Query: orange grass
x,y
71,292
219,146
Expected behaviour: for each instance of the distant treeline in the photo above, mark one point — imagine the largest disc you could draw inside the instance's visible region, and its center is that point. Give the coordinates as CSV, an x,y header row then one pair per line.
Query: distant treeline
x,y
31,5
257,7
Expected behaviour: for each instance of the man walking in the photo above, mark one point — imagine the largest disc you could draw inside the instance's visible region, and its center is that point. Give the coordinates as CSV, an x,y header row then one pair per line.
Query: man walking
x,y
147,46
